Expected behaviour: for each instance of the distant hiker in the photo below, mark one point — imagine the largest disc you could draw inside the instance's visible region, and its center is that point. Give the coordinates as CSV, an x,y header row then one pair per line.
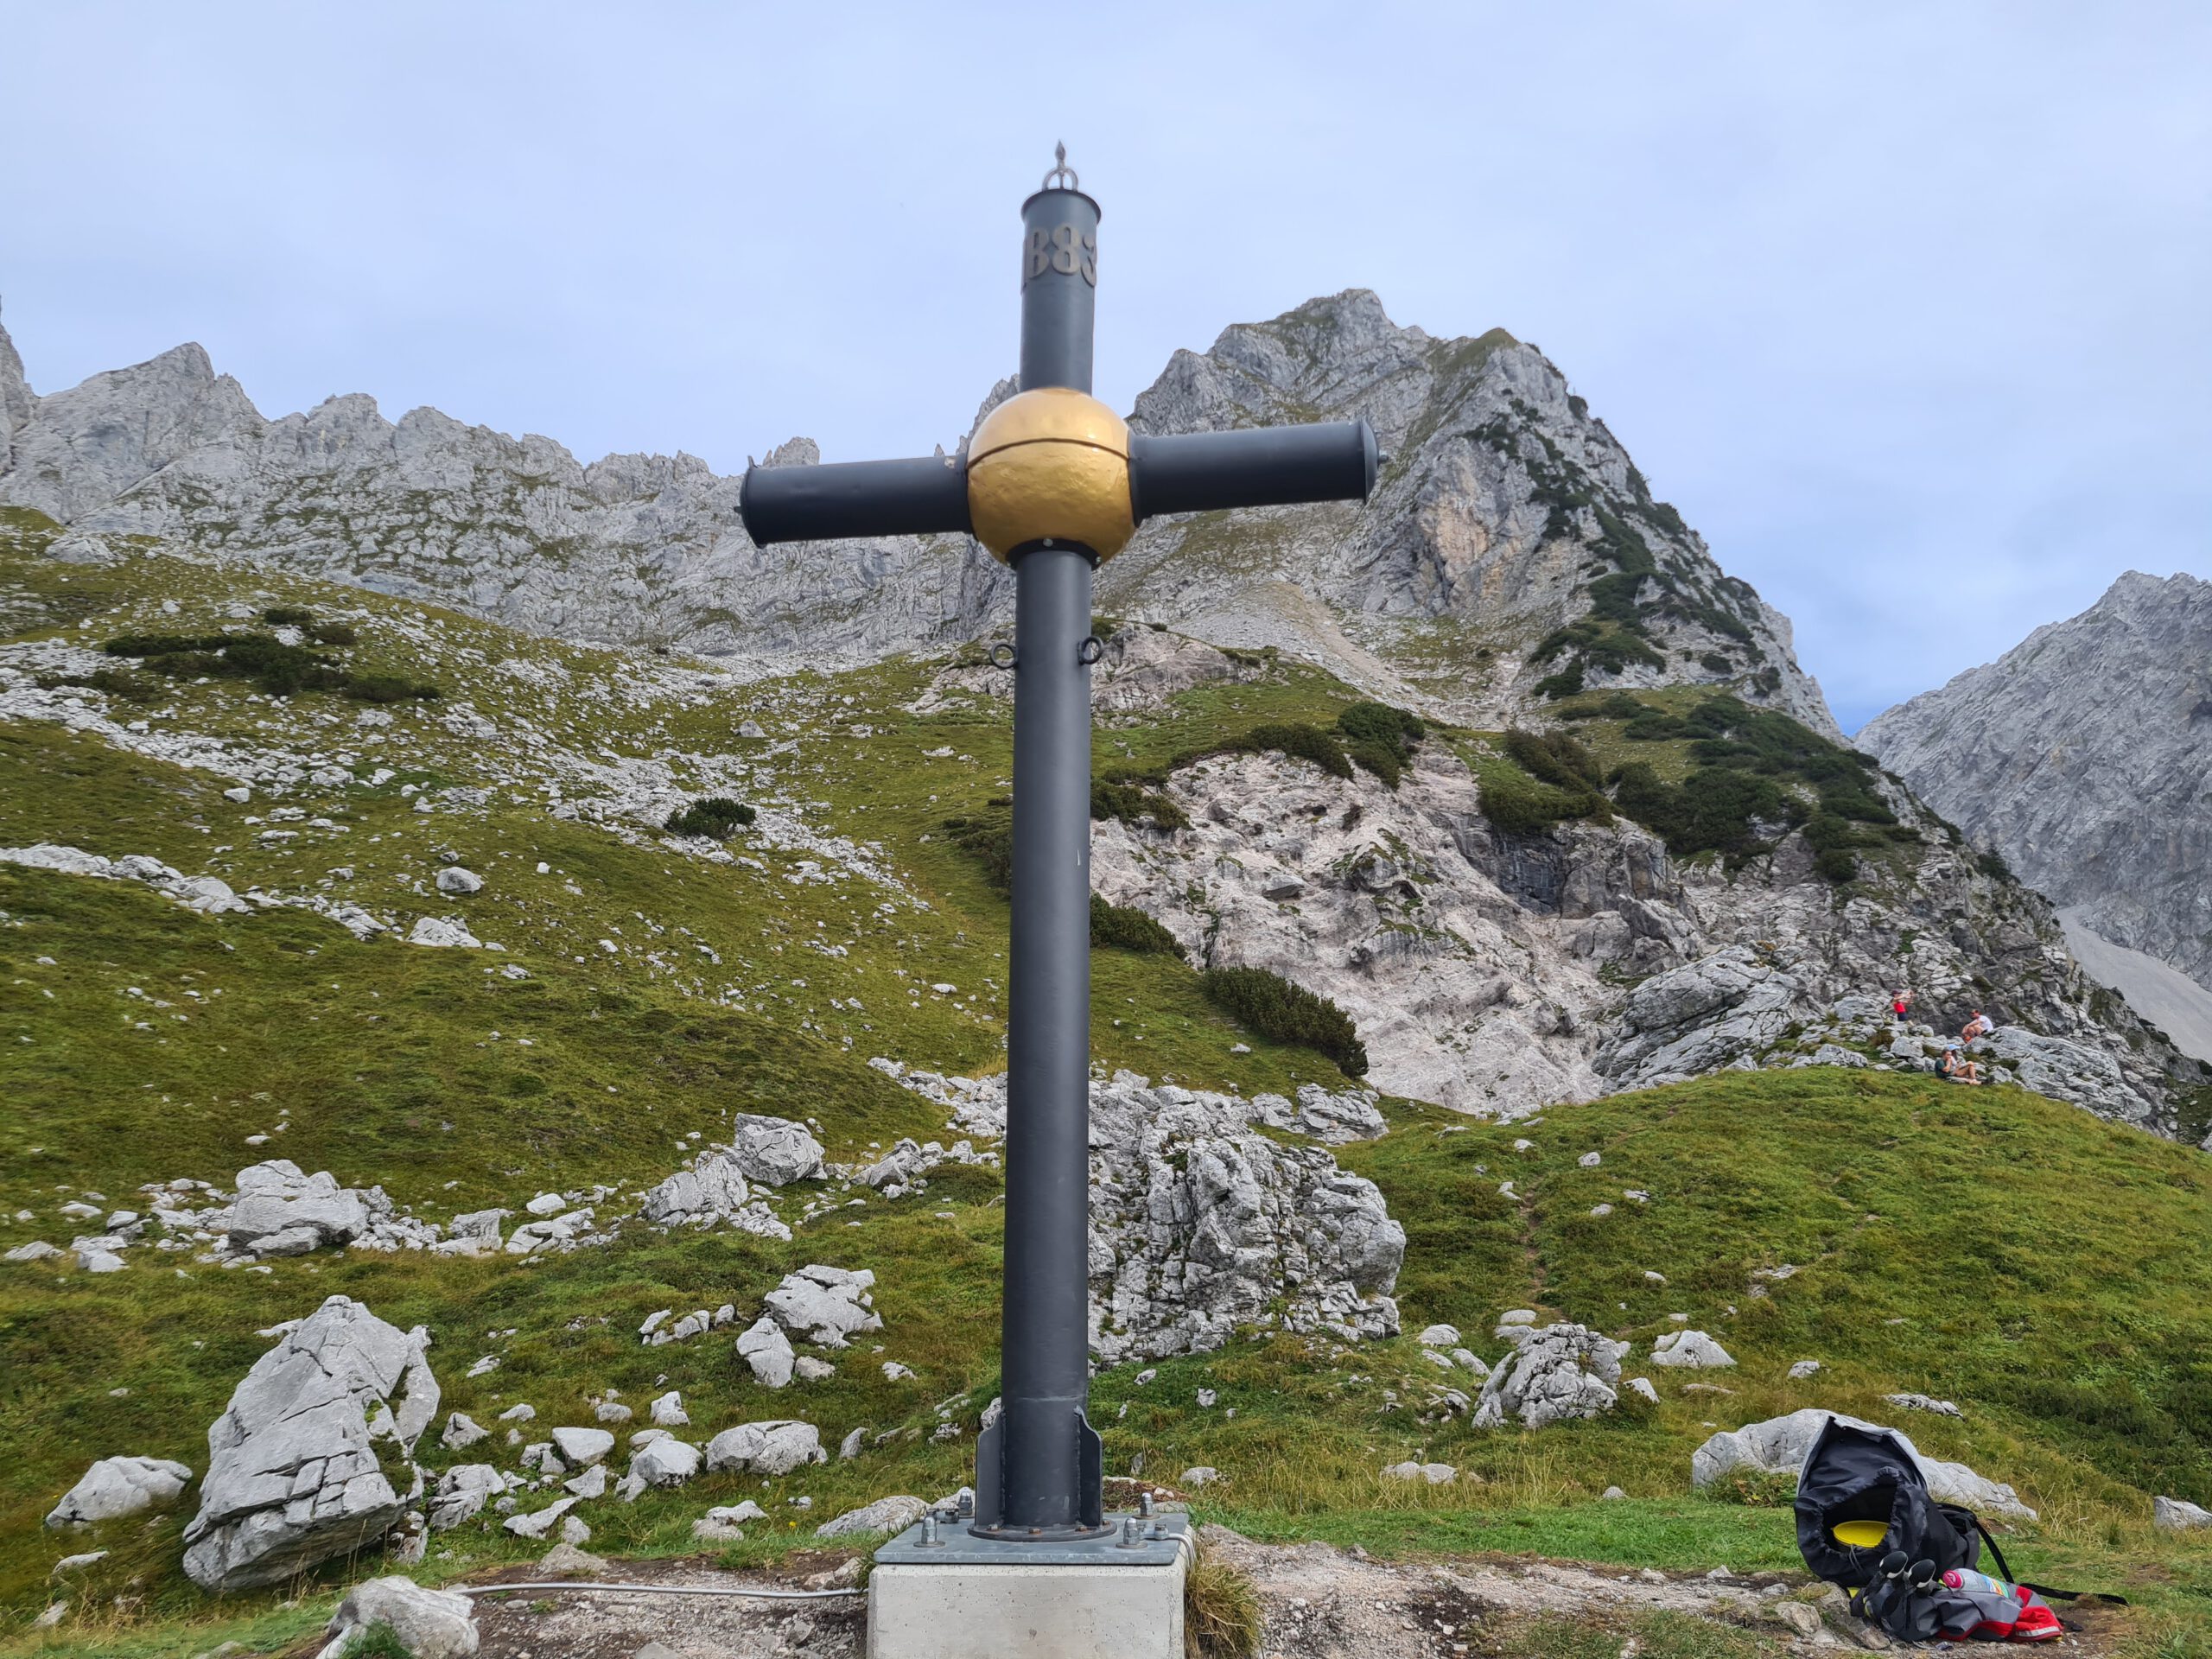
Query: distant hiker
x,y
1956,1066
1901,1004
1980,1025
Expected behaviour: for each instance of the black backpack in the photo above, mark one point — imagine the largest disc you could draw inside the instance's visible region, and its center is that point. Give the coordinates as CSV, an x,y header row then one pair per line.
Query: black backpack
x,y
1866,1475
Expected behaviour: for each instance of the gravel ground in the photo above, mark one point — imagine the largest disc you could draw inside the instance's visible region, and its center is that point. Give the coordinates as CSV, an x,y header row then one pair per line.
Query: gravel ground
x,y
1319,1602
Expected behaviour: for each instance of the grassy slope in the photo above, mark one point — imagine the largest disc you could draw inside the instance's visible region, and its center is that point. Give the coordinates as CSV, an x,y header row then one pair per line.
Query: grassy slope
x,y
2038,1260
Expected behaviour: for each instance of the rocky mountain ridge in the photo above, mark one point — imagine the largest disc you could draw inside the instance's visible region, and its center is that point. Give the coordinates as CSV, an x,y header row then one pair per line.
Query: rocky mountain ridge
x,y
2084,756
1512,552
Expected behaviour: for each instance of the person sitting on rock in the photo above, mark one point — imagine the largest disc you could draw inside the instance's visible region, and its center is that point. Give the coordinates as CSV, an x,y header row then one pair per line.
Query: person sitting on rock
x,y
1956,1066
1980,1025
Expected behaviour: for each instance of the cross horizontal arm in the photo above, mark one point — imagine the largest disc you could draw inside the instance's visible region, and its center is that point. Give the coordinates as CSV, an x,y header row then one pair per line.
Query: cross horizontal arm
x,y
1199,472
1260,466
855,498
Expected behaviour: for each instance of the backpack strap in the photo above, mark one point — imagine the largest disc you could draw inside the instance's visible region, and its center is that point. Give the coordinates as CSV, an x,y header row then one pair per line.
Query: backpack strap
x,y
2044,1590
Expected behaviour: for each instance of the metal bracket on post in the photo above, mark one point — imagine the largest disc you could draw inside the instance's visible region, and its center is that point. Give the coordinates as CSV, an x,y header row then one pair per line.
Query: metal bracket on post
x,y
1090,1465
990,1477
1090,650
1003,655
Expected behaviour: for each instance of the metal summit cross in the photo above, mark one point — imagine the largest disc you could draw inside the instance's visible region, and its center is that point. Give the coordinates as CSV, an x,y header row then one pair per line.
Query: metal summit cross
x,y
1053,482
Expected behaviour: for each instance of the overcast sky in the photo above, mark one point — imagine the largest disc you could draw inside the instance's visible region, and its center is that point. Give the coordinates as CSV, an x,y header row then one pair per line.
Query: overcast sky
x,y
1907,308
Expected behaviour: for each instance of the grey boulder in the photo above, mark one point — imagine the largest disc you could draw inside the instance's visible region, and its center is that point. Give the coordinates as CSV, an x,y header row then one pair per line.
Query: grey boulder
x,y
280,1211
429,1624
2179,1515
665,1463
583,1447
119,1486
824,1304
885,1515
1555,1373
775,1447
293,1474
461,1492
774,1151
767,1351
1693,1350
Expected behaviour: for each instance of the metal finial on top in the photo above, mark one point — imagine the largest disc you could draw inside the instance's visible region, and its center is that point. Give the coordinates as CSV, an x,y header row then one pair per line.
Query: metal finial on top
x,y
1061,171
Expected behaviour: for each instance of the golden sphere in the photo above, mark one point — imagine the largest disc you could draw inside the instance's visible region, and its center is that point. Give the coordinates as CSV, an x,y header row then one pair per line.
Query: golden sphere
x,y
1052,463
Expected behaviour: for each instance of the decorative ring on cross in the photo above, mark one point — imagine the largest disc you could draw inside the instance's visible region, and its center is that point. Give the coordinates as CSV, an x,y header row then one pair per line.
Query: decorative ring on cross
x,y
1090,650
1002,655
1061,170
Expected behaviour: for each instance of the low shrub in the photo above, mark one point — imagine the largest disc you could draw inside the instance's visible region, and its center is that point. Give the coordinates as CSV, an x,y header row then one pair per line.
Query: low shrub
x,y
333,633
388,688
1300,742
990,840
716,816
288,616
1380,739
1132,804
1123,927
116,682
1286,1013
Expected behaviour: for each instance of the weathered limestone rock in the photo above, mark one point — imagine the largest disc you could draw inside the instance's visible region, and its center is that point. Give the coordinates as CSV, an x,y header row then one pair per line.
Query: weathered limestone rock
x,y
775,1447
1779,1445
1200,1224
665,1463
1556,1372
537,1522
774,1151
885,1515
2077,755
581,1448
2179,1515
294,1474
1436,1474
767,1351
429,1624
119,1486
824,1304
712,1190
280,1210
461,1492
1701,1017
1693,1350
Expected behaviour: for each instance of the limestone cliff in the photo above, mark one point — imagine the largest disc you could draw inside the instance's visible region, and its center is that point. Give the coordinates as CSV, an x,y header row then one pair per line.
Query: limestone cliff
x,y
2084,756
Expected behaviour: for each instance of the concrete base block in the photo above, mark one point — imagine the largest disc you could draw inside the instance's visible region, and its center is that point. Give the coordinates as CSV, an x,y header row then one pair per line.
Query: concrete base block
x,y
955,1609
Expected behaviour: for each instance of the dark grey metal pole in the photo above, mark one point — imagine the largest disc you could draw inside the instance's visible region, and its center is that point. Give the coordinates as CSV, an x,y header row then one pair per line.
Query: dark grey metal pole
x,y
1043,1458
1046,1381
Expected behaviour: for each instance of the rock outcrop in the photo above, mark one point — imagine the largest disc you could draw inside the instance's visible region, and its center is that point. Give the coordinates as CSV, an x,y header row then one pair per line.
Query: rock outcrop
x,y
1499,973
2084,756
309,1459
1554,1374
1201,1224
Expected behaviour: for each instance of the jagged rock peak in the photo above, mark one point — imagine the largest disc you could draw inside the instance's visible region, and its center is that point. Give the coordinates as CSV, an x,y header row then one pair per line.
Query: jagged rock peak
x,y
2084,756
1512,552
1506,512
15,397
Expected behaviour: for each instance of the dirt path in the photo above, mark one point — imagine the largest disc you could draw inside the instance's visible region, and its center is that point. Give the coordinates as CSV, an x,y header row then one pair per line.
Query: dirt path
x,y
1318,1603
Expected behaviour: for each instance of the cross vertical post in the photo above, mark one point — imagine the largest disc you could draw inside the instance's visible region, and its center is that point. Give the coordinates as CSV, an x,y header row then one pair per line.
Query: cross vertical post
x,y
1046,1480
1054,483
